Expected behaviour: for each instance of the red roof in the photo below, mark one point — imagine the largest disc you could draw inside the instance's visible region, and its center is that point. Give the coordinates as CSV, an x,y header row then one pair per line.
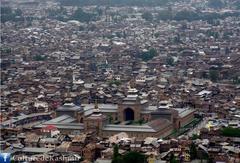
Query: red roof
x,y
50,128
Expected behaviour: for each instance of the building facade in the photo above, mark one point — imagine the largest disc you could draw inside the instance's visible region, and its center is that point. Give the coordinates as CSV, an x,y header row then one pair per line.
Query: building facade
x,y
132,115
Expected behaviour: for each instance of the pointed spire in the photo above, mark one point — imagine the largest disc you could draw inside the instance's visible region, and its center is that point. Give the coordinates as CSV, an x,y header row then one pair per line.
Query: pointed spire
x,y
68,93
68,98
96,110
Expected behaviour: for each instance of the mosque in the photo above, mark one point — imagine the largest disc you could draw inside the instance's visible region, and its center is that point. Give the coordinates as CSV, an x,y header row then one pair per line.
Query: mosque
x,y
132,115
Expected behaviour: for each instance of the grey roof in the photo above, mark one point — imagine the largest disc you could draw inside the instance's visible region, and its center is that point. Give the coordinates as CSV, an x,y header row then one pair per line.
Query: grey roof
x,y
62,119
131,128
49,140
71,126
182,112
69,120
22,117
130,98
129,102
151,108
69,107
143,101
36,150
161,111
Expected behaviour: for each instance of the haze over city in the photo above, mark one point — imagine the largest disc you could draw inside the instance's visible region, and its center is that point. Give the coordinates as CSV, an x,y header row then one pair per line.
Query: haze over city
x,y
120,81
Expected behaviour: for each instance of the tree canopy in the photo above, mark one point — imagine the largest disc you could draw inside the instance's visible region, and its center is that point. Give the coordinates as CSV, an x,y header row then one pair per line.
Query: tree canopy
x,y
172,158
193,151
115,151
231,132
135,157
147,16
194,15
39,58
170,61
82,16
186,15
213,75
130,157
148,55
237,5
165,15
115,2
215,3
8,14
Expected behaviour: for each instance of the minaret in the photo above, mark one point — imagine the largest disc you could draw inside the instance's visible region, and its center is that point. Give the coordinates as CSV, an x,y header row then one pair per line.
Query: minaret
x,y
96,110
95,121
68,98
73,77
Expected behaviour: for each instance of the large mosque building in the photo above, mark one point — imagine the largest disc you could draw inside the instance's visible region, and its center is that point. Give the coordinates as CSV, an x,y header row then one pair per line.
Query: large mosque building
x,y
132,115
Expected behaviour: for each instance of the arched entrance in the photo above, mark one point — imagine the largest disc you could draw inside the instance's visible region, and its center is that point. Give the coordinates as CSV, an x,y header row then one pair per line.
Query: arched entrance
x,y
81,120
129,114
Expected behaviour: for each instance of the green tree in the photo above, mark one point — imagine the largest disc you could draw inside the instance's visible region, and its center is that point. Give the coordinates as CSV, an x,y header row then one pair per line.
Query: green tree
x,y
236,79
186,15
215,4
170,61
6,50
6,10
115,151
117,158
172,158
157,34
165,15
99,11
193,151
177,39
148,55
110,118
18,12
40,58
213,75
231,132
140,122
194,137
204,156
117,82
147,16
153,52
7,14
210,160
237,5
82,16
114,2
134,157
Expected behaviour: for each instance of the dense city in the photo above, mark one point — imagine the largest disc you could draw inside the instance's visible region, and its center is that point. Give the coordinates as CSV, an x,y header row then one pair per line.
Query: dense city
x,y
112,81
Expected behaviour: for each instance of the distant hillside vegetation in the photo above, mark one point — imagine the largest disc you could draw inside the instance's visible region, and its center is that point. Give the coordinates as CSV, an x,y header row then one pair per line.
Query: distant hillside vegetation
x,y
114,2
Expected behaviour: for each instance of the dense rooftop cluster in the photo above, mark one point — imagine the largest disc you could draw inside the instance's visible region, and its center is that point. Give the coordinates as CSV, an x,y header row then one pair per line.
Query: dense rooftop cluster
x,y
186,53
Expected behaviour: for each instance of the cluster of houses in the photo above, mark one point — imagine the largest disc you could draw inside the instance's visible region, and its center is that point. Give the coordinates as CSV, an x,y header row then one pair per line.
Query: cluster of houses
x,y
75,86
